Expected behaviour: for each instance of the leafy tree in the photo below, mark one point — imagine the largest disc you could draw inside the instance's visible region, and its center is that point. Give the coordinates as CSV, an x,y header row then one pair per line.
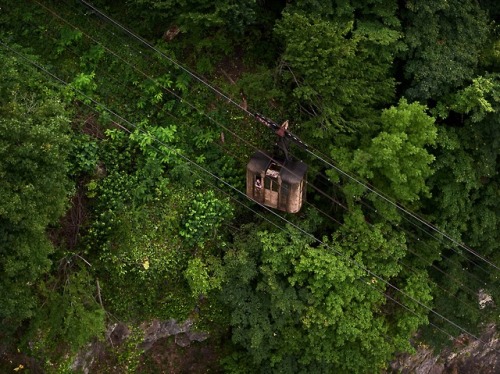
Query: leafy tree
x,y
197,15
133,235
34,189
395,159
464,202
211,29
146,226
70,314
302,308
205,216
467,162
142,259
445,40
204,276
337,60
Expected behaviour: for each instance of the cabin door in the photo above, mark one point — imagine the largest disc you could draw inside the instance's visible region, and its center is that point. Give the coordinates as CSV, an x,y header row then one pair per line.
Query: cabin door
x,y
271,188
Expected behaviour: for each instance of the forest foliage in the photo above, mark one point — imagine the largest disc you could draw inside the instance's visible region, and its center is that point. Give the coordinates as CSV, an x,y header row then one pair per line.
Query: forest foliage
x,y
121,176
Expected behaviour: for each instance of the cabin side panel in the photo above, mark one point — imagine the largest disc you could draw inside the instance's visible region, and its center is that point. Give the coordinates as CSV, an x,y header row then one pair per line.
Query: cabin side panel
x,y
295,198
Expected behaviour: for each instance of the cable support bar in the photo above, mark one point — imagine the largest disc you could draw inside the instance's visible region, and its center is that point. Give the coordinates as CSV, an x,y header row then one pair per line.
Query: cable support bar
x,y
276,127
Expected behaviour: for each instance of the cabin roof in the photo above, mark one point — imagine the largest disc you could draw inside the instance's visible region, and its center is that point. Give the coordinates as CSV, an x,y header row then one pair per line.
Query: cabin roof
x,y
292,172
258,163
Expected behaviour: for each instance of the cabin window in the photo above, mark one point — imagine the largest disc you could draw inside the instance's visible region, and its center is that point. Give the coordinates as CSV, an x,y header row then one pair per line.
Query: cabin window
x,y
267,183
273,170
271,184
274,185
258,182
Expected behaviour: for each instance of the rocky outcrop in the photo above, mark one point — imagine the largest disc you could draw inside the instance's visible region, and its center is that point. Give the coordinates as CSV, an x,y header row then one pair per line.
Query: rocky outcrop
x,y
87,356
119,333
467,356
182,332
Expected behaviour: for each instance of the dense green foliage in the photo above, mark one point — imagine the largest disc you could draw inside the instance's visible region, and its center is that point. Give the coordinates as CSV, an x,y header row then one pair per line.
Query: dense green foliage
x,y
34,188
302,308
110,209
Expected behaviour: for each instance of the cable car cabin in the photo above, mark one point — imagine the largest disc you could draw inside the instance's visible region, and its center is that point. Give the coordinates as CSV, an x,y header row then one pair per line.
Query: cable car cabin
x,y
279,185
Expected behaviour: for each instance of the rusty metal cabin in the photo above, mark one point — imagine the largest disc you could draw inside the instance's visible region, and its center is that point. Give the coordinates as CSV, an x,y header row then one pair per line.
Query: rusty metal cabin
x,y
276,184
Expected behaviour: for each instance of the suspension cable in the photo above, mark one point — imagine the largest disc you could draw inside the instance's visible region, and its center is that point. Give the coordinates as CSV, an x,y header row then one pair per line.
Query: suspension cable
x,y
213,120
322,158
355,262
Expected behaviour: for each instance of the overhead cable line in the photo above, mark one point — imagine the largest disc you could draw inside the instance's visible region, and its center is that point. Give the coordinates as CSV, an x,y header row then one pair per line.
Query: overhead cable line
x,y
322,158
224,127
176,95
411,214
145,42
291,224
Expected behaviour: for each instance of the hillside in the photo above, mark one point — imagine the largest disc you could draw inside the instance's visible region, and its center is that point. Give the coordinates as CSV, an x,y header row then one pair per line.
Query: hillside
x,y
126,129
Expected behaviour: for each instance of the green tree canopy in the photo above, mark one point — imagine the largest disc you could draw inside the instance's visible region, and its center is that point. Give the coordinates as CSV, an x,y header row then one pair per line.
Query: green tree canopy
x,y
299,307
445,40
33,182
396,158
337,68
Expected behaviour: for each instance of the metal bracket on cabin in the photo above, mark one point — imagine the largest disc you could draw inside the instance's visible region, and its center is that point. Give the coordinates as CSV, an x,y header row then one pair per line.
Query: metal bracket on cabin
x,y
274,126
